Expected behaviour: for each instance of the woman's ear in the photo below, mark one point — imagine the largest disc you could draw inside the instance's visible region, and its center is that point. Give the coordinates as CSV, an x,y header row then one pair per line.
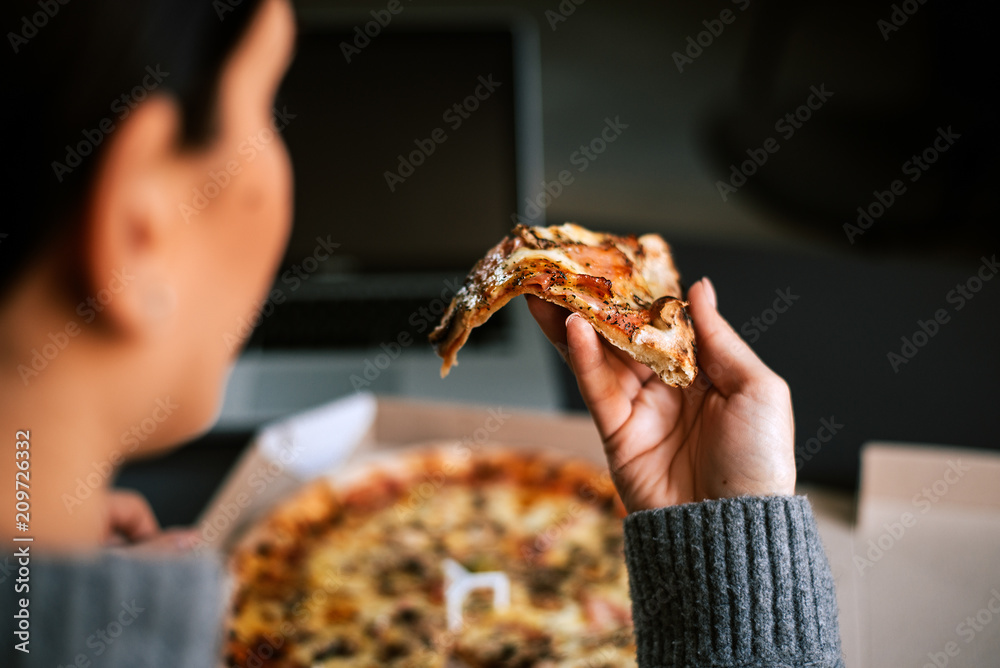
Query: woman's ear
x,y
130,227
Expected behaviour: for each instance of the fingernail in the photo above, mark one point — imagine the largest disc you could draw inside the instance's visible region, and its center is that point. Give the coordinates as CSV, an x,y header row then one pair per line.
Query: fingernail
x,y
710,291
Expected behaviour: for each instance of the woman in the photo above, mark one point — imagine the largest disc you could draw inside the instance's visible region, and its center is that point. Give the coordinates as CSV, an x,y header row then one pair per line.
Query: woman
x,y
116,305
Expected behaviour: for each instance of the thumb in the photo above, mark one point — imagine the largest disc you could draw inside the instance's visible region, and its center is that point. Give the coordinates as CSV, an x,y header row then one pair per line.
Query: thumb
x,y
723,356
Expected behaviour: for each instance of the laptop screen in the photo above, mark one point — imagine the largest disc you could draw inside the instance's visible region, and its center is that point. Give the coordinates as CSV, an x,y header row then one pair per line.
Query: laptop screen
x,y
403,146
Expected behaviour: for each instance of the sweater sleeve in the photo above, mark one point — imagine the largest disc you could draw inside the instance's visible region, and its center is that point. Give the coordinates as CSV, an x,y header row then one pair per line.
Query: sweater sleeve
x,y
735,582
119,611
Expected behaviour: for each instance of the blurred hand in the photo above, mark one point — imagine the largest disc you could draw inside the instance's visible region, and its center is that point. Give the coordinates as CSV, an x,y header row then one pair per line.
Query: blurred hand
x,y
130,521
730,433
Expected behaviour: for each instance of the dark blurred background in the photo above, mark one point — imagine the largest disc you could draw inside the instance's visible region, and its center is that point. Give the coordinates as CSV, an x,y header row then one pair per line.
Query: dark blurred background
x,y
895,116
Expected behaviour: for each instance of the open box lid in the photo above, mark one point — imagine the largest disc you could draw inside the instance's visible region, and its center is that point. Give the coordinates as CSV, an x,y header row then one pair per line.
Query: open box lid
x,y
402,422
918,573
290,452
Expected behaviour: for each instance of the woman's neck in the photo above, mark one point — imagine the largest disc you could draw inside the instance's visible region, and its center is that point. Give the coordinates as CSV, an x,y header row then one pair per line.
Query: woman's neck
x,y
53,390
68,467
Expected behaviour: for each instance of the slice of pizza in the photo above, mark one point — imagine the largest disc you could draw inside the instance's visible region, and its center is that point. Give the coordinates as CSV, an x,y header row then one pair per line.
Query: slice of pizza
x,y
627,287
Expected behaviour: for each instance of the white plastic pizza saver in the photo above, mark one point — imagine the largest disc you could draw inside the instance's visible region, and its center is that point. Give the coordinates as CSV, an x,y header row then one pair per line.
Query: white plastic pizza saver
x,y
459,582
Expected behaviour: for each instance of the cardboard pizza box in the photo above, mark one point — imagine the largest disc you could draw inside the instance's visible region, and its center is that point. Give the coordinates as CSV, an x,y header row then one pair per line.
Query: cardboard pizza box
x,y
915,554
917,566
289,453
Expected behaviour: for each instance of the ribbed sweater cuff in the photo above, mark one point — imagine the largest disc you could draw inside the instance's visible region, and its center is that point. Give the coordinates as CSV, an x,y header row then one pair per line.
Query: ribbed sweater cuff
x,y
735,582
120,610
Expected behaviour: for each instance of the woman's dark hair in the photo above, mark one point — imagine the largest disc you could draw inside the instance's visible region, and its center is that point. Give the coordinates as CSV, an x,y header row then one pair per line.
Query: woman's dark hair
x,y
74,70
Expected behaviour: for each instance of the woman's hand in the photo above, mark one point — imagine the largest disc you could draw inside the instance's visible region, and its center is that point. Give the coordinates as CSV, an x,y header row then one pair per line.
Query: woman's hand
x,y
130,521
730,433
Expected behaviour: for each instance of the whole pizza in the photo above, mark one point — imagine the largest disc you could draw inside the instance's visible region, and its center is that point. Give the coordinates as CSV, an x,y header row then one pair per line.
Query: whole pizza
x,y
438,557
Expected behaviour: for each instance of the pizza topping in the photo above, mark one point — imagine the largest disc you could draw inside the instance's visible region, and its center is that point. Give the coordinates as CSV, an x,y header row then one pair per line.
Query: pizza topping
x,y
627,288
401,573
603,613
508,644
545,584
341,647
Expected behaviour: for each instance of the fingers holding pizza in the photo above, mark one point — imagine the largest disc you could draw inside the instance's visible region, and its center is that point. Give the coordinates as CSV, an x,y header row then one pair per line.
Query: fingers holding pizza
x,y
130,522
729,434
672,435
609,379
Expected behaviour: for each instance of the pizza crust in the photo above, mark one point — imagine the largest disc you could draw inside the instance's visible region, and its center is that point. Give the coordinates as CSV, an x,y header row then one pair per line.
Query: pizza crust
x,y
627,288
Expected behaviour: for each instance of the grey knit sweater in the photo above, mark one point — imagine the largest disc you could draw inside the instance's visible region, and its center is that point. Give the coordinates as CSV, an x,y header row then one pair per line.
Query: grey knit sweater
x,y
741,582
738,582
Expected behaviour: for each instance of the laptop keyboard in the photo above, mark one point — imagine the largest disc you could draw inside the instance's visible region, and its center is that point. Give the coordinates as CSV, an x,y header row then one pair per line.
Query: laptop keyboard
x,y
359,323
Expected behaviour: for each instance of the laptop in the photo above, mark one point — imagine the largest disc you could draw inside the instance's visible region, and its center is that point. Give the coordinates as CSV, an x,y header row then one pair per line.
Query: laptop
x,y
416,143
